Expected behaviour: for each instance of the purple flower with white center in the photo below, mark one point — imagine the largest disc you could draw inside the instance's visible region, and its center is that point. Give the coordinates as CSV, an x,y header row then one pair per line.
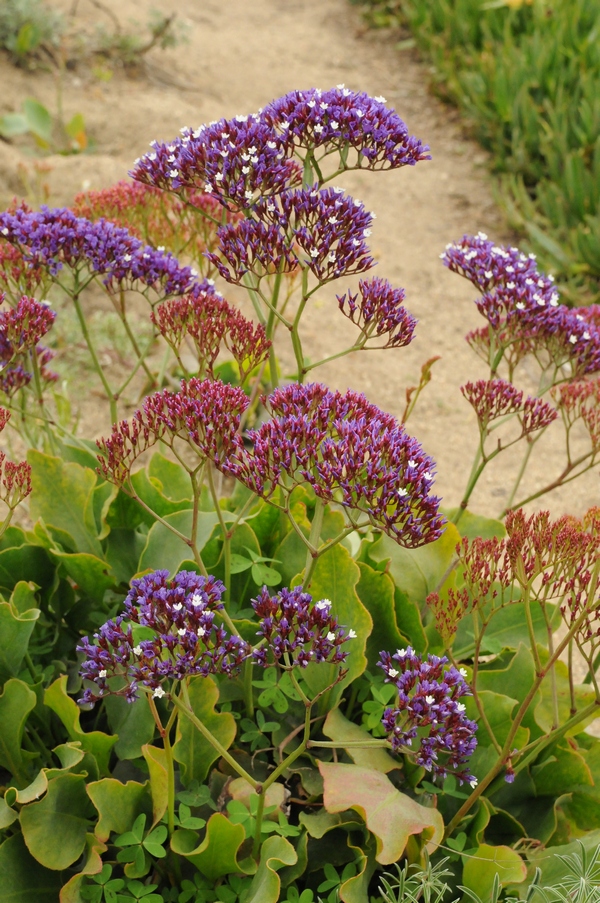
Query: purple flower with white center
x,y
339,119
235,160
186,642
57,238
252,246
350,452
428,710
298,630
379,312
325,229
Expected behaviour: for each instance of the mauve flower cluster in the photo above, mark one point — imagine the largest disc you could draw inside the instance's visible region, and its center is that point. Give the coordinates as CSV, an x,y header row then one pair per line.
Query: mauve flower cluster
x,y
252,247
339,119
15,479
522,306
235,160
379,312
580,401
204,413
298,630
186,642
428,710
19,276
55,238
211,323
349,451
241,159
498,398
21,328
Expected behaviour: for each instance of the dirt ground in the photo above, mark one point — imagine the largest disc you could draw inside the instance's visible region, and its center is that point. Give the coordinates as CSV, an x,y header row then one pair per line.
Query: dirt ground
x,y
239,56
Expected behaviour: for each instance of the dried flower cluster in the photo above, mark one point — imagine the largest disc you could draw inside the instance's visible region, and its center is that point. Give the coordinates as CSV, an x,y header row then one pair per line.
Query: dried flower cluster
x,y
15,479
496,398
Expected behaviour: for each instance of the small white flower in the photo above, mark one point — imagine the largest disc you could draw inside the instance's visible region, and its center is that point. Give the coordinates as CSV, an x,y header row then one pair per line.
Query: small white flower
x,y
352,634
181,631
219,177
510,269
334,124
201,631
178,606
402,492
482,236
313,252
332,220
393,673
171,158
197,599
586,335
473,783
430,700
331,636
461,707
520,305
323,105
137,650
323,605
381,99
339,87
331,257
510,285
488,274
311,104
412,463
427,476
245,170
402,653
462,672
572,339
5,231
285,125
367,232
360,113
319,129
272,145
102,673
158,693
173,173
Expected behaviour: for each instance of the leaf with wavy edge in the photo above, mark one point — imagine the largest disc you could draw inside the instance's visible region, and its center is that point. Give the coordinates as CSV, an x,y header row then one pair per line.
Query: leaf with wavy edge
x,y
276,852
390,815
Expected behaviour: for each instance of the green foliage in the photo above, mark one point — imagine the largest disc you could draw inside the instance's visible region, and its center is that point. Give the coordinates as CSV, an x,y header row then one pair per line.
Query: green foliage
x,y
26,26
527,77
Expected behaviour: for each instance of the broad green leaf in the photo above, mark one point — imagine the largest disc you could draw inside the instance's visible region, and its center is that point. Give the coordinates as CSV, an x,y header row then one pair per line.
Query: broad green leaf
x,y
291,551
417,572
499,711
356,889
472,525
17,620
95,742
93,864
12,124
240,790
514,680
133,724
275,853
90,574
192,750
319,824
7,815
104,495
118,805
54,828
488,861
164,549
38,119
63,496
507,629
23,879
408,619
29,563
16,702
156,760
564,771
390,815
376,592
150,490
175,483
123,550
75,129
554,869
544,711
338,728
335,577
216,856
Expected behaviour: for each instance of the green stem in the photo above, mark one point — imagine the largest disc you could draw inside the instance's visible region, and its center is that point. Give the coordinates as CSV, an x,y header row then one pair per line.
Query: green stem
x,y
37,382
350,744
226,533
479,465
259,819
170,766
97,366
248,690
520,474
186,708
314,538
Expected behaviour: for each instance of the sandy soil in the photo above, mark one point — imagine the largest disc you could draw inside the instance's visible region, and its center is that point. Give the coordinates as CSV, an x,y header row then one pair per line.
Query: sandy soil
x,y
239,56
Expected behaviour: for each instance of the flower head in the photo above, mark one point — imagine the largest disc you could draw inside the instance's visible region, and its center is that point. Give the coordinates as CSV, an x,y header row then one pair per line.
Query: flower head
x,y
379,312
297,630
496,398
186,641
428,708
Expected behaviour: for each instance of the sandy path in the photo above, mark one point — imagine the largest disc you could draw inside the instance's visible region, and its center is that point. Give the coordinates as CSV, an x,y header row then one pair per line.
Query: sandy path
x,y
242,54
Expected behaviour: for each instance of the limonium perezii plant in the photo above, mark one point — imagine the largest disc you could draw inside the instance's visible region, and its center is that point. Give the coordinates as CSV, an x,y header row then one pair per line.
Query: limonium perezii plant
x,y
276,629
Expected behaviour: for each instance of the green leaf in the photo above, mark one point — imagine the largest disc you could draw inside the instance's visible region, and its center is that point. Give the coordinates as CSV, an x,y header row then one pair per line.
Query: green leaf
x,y
499,710
70,892
175,483
262,574
192,750
17,620
544,711
23,879
417,572
216,856
97,743
38,119
63,496
151,491
54,829
338,728
275,853
376,592
156,760
488,861
91,575
7,815
13,124
29,563
118,805
390,815
133,724
335,577
164,549
472,525
16,702
564,771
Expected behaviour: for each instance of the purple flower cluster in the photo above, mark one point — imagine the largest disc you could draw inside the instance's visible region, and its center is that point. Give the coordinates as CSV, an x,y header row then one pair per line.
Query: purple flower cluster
x,y
498,398
205,413
428,709
242,159
340,119
298,630
186,640
252,246
349,451
21,328
15,479
522,306
234,160
56,238
380,312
